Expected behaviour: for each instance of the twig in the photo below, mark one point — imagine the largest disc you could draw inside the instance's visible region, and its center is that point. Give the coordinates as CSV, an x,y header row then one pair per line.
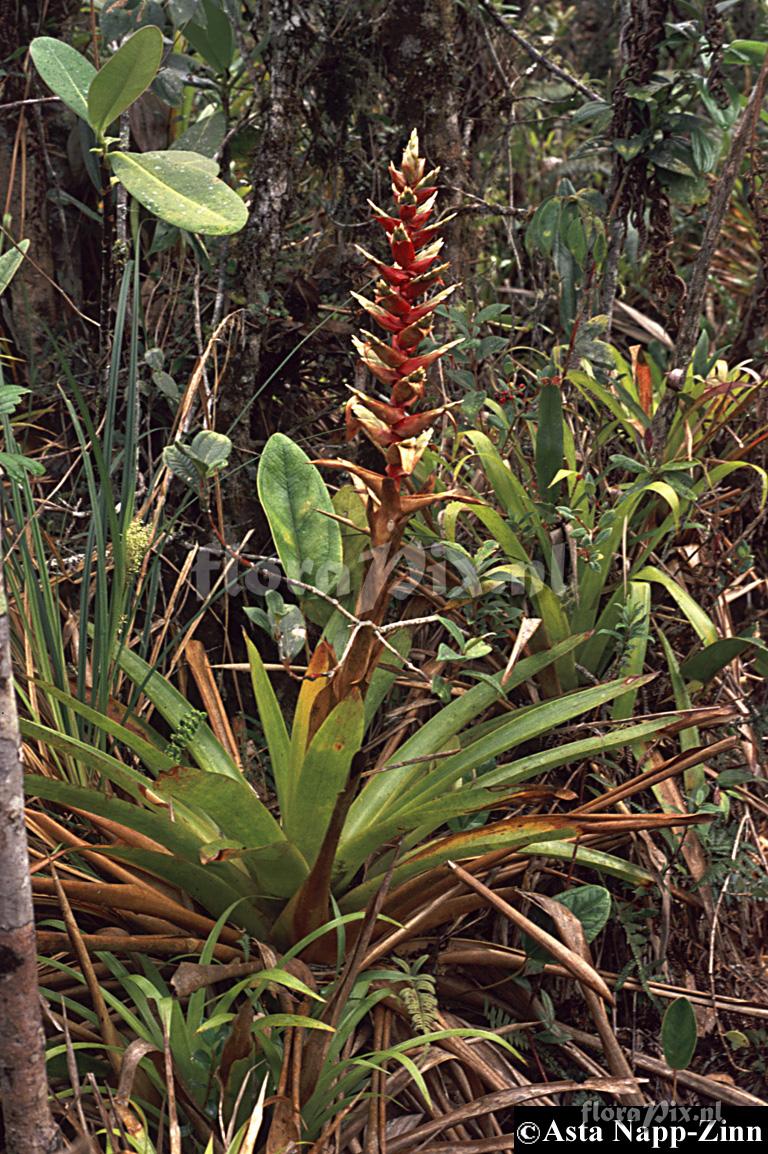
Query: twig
x,y
534,53
716,208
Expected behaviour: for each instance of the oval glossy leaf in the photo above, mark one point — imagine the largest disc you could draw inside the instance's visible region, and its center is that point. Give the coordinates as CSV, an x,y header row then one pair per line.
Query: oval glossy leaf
x,y
195,160
205,136
297,504
66,72
678,1034
183,193
124,77
9,264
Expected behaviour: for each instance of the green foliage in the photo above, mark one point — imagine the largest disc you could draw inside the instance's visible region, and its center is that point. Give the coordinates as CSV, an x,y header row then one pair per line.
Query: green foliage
x,y
298,507
197,462
123,78
678,1034
180,187
10,263
418,994
66,72
475,732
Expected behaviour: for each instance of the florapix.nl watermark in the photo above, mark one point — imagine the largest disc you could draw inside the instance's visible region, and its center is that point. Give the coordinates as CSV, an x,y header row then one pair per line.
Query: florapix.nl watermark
x,y
438,568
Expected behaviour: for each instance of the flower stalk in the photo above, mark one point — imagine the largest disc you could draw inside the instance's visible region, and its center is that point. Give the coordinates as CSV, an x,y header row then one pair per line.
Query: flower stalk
x,y
404,309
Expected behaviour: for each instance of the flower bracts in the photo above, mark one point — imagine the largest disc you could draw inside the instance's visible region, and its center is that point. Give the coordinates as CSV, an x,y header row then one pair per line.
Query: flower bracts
x,y
393,426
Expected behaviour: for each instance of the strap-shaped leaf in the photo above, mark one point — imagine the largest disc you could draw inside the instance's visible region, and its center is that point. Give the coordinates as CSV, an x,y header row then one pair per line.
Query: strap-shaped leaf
x,y
323,775
231,805
181,191
124,77
701,621
705,664
272,723
204,747
66,72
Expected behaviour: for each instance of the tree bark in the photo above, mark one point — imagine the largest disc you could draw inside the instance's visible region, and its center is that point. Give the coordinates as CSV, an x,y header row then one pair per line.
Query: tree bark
x,y
427,72
29,1125
272,180
25,178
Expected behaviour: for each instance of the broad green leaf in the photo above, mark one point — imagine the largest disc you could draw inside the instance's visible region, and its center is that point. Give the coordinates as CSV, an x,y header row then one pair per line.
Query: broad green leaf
x,y
543,228
124,77
678,1034
278,869
271,717
700,621
590,904
9,263
215,42
190,158
323,775
232,804
180,191
297,505
66,72
205,137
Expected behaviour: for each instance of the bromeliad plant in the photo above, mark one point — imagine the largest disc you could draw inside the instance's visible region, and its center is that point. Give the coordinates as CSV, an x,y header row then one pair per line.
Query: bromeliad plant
x,y
561,523
346,821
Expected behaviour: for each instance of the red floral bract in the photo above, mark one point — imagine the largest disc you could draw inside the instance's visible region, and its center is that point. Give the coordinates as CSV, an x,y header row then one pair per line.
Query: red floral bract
x,y
401,434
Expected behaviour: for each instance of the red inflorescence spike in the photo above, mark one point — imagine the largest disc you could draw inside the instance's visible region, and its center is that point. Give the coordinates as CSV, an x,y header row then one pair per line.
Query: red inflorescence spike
x,y
399,309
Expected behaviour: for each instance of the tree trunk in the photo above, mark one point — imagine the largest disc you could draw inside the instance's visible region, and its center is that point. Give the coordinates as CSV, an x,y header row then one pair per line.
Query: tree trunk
x,y
427,72
272,179
26,178
29,1125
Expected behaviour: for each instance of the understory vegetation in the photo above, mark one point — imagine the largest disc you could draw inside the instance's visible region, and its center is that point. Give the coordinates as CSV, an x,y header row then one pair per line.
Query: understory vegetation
x,y
384,532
